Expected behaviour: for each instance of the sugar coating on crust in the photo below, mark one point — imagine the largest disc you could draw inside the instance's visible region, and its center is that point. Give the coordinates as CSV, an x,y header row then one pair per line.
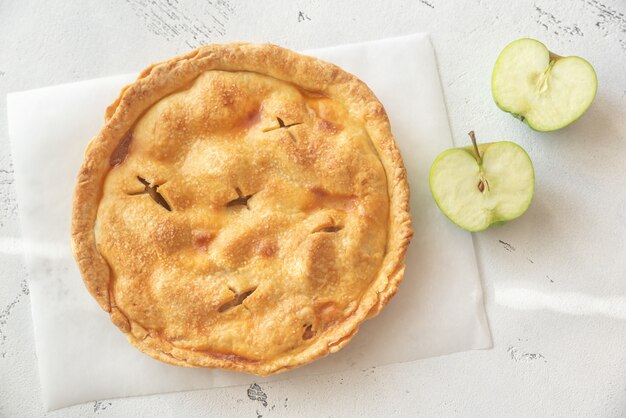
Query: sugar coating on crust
x,y
247,221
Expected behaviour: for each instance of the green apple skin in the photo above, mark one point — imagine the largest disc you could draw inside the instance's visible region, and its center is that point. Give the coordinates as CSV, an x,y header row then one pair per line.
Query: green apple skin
x,y
508,179
543,89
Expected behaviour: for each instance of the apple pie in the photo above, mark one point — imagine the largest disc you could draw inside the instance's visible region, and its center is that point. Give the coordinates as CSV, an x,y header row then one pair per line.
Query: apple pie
x,y
243,207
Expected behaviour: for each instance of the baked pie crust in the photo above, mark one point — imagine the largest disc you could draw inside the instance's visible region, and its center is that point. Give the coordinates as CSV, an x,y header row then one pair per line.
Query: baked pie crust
x,y
243,207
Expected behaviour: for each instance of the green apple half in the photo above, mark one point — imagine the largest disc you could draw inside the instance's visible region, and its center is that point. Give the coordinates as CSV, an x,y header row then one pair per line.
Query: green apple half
x,y
542,89
476,187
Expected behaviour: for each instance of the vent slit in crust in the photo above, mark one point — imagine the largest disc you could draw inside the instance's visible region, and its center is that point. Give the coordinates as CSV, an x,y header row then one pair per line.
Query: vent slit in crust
x,y
330,228
308,332
236,301
282,125
241,200
153,192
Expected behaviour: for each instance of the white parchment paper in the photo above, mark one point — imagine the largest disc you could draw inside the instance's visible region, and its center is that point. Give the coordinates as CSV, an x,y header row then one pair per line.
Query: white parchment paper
x,y
83,357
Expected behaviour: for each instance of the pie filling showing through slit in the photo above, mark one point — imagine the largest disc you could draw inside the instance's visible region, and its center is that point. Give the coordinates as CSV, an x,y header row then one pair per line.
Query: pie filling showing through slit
x,y
231,215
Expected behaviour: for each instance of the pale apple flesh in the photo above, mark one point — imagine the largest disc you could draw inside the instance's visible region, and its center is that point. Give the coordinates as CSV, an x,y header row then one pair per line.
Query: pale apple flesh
x,y
543,89
474,192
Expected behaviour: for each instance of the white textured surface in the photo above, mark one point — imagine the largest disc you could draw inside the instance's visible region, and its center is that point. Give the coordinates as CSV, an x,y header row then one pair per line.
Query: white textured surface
x,y
441,296
555,279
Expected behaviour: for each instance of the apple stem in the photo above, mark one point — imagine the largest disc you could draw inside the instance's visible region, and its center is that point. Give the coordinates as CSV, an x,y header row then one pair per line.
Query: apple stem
x,y
473,137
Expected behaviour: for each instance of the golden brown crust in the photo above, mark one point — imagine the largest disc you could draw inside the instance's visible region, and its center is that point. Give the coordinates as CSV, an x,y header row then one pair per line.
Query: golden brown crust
x,y
345,268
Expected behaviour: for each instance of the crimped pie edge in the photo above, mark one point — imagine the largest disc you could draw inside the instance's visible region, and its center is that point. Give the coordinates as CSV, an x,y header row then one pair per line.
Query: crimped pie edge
x,y
158,81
